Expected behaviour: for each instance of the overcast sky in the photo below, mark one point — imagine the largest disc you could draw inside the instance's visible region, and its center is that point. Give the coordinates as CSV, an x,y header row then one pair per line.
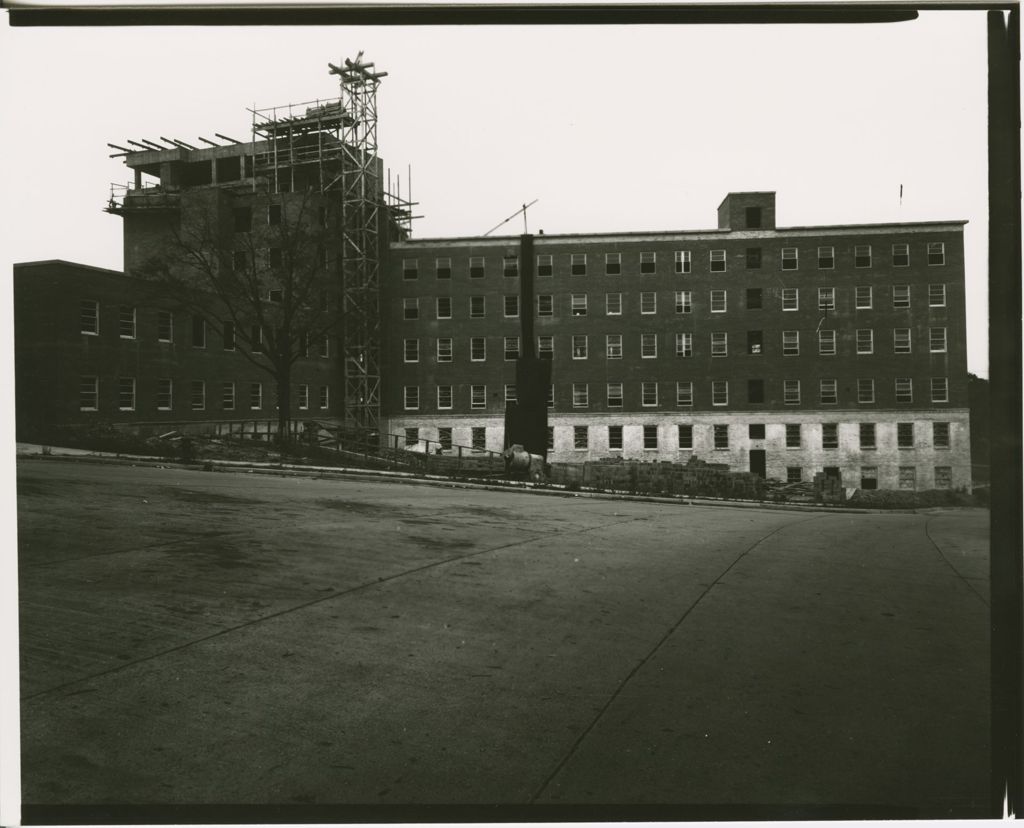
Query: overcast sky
x,y
609,127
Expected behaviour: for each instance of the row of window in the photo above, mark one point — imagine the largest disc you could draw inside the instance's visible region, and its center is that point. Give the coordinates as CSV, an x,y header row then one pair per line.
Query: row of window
x,y
164,399
682,302
828,393
861,256
242,217
864,340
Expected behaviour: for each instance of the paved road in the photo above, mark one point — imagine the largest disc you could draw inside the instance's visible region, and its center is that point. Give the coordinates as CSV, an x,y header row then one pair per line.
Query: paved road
x,y
197,637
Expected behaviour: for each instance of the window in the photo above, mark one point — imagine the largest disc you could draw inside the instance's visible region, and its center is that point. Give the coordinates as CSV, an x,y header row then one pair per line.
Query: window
x,y
648,346
865,390
943,477
444,397
719,344
869,477
551,396
90,316
444,349
511,348
830,435
865,341
255,395
754,299
790,343
753,217
862,297
580,437
325,396
511,393
684,344
790,259
613,304
551,438
411,308
901,340
755,390
721,436
444,307
648,302
88,393
578,264
648,263
615,437
753,258
791,392
511,306
614,395
477,348
477,397
901,296
908,477
719,392
684,394
827,391
755,431
718,261
937,296
904,389
243,219
274,214
256,339
227,396
793,474
579,347
580,395
126,322
684,301
412,436
444,437
650,437
545,305
826,298
612,264
905,435
682,261
648,394
478,438
303,397
198,332
867,435
545,347
900,255
510,266
940,389
790,299
275,295
164,394
579,304
239,261
940,435
936,253
443,268
476,267
544,265
685,438
755,342
410,269
197,400
412,350
476,307
827,343
718,304
937,340
613,346
826,258
862,255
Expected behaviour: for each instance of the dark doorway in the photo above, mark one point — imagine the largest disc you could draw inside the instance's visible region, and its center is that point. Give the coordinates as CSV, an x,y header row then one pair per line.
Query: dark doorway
x,y
831,471
757,462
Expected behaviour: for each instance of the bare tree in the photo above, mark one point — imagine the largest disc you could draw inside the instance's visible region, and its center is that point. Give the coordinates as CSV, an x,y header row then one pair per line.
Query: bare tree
x,y
257,269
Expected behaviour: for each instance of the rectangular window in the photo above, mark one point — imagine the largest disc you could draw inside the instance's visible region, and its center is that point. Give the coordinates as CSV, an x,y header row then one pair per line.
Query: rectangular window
x,y
551,438
478,397
256,339
754,299
940,435
613,346
908,477
126,322
791,392
755,431
510,266
755,390
719,344
197,399
901,296
790,343
826,343
755,342
444,397
684,344
443,268
936,253
901,340
721,437
648,263
612,264
900,255
790,299
580,437
476,267
477,307
444,349
613,304
614,395
793,474
648,302
579,346
650,437
410,269
255,395
444,307
578,304
545,347
862,297
937,296
239,261
648,394
511,348
826,298
682,261
718,261
867,435
830,435
684,394
826,258
551,396
828,391
478,438
227,396
684,301
904,389
865,390
243,219
545,265
325,346
685,438
862,255
165,326
412,350
198,332
580,395
719,392
545,305
90,316
511,393
164,394
943,477
444,438
648,346
905,435
477,348
718,303
578,264
412,435
325,396
511,306
274,214
869,477
126,393
615,437
303,397
865,341
753,258
790,258
937,340
940,389
411,308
